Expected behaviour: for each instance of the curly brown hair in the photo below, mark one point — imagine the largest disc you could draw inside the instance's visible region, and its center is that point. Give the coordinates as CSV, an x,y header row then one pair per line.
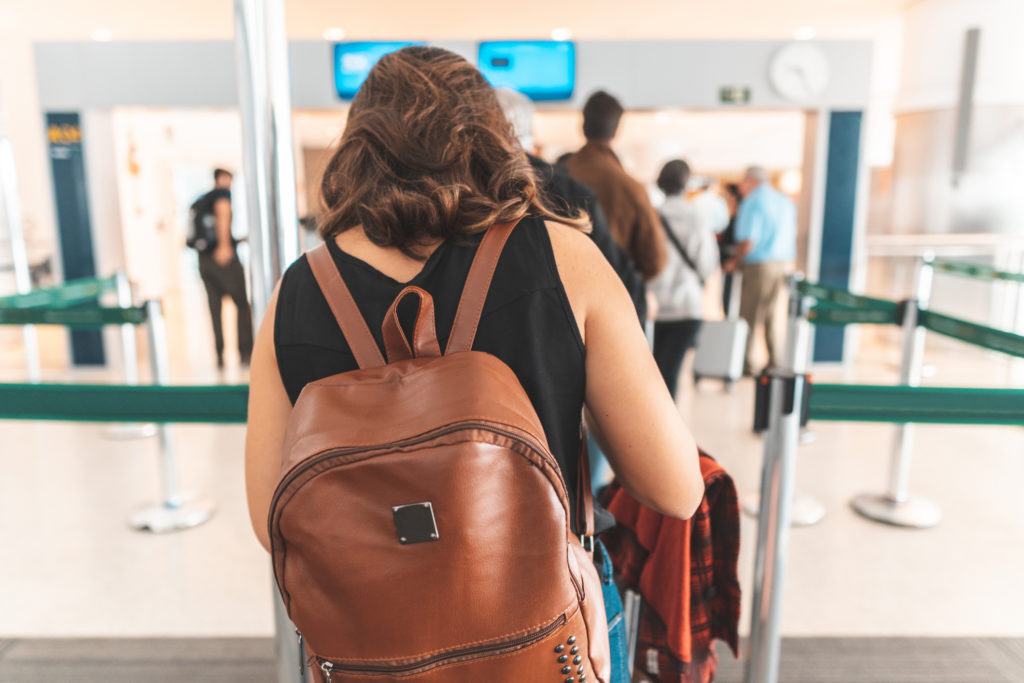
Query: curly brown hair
x,y
428,155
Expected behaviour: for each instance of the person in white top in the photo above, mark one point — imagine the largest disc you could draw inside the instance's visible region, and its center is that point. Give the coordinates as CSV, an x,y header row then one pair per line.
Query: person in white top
x,y
711,206
679,289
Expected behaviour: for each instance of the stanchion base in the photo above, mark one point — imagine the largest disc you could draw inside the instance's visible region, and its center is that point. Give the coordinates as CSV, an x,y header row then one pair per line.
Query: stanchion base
x,y
191,511
127,430
805,511
914,513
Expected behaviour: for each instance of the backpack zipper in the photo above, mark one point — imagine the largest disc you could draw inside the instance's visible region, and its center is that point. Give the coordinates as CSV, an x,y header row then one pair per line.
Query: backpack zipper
x,y
476,651
411,441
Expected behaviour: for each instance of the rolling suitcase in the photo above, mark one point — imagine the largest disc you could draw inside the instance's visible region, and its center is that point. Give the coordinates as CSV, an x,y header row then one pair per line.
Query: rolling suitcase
x,y
722,344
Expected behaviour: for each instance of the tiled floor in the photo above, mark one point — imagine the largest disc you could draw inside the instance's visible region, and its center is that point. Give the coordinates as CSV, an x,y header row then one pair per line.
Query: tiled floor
x,y
72,568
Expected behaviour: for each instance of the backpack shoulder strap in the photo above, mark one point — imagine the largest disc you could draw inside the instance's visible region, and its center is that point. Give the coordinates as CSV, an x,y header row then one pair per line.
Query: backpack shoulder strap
x,y
353,325
478,282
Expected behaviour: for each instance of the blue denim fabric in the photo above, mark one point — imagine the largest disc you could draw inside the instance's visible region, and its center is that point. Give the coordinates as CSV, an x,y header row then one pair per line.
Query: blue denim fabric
x,y
616,618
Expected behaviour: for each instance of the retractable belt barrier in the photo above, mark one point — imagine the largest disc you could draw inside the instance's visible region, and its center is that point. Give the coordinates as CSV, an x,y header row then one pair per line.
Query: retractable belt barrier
x,y
973,333
85,317
933,405
977,271
788,399
132,403
838,307
217,404
67,294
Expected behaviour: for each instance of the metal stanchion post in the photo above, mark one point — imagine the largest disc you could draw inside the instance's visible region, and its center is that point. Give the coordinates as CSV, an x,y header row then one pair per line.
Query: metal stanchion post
x,y
806,510
176,510
632,603
264,101
898,506
130,361
777,475
19,255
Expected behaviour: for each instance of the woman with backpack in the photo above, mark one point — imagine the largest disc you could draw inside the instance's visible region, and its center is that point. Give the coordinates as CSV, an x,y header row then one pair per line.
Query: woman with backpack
x,y
413,449
679,289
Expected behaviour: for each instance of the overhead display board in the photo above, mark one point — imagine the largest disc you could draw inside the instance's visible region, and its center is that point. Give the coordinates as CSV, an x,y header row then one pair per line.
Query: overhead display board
x,y
540,69
353,61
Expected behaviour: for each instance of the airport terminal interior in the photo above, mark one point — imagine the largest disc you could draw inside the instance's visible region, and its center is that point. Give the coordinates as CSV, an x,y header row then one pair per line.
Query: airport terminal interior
x,y
894,127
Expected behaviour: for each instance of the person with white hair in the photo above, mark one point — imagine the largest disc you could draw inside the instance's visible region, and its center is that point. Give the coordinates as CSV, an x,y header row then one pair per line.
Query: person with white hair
x,y
566,195
765,250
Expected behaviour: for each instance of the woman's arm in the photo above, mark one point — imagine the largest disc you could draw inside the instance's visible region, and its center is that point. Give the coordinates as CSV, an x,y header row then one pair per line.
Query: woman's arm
x,y
648,445
269,409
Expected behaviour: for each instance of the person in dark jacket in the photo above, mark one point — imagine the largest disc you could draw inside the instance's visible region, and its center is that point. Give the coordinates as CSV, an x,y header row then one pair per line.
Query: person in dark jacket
x,y
567,196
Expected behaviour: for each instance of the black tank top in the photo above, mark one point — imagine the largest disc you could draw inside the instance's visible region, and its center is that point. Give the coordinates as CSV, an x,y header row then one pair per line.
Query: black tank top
x,y
527,323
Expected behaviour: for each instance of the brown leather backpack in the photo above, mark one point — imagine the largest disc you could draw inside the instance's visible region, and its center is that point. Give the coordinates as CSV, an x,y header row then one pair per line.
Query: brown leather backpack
x,y
421,530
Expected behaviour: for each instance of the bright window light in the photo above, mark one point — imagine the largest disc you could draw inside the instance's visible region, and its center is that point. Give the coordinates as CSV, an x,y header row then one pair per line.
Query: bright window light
x,y
805,33
102,34
334,33
561,34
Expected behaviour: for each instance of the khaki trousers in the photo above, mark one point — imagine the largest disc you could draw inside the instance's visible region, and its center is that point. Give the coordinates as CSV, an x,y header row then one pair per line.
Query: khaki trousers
x,y
763,284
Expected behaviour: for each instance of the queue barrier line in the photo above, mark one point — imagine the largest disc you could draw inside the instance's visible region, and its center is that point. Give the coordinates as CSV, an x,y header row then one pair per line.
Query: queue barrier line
x,y
972,333
67,294
835,315
977,271
903,404
906,404
218,404
842,298
85,317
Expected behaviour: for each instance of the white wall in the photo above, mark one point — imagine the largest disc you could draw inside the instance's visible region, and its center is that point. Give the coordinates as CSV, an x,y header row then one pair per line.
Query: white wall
x,y
924,197
933,40
21,121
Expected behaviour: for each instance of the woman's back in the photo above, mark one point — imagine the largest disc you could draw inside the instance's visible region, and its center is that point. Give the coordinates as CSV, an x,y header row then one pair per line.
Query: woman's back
x,y
427,158
527,323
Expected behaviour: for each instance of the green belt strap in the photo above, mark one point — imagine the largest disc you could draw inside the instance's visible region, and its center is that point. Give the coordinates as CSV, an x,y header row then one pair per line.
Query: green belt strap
x,y
841,297
115,403
91,316
973,333
936,405
68,294
227,403
842,315
977,271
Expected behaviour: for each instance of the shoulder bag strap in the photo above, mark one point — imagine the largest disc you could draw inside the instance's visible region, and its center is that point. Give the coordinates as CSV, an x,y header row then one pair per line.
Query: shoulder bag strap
x,y
478,283
353,326
679,247
585,496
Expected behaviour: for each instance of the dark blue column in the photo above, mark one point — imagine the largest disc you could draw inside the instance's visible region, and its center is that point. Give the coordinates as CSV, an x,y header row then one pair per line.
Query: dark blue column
x,y
838,220
64,136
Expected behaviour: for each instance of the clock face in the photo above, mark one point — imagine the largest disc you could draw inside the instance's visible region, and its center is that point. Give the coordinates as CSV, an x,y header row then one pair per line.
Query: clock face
x,y
799,72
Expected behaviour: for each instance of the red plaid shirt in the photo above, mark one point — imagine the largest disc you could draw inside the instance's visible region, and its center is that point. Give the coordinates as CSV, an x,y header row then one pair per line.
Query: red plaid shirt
x,y
686,573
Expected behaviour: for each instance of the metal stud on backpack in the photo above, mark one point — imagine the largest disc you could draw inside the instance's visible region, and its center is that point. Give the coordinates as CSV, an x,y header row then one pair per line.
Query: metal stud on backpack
x,y
421,527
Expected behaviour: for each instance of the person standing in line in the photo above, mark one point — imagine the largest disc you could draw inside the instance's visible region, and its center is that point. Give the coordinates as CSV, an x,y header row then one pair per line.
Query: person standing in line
x,y
219,267
727,242
765,250
568,196
712,207
692,258
632,219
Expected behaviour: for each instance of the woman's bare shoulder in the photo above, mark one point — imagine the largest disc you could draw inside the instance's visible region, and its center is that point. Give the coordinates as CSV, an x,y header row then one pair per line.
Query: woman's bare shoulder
x,y
579,261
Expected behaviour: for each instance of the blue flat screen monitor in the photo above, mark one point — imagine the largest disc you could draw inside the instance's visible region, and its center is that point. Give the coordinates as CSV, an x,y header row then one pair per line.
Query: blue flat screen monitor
x,y
540,69
353,61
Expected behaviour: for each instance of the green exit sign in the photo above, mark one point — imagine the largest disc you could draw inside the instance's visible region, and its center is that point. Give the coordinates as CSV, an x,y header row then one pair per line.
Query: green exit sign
x,y
734,94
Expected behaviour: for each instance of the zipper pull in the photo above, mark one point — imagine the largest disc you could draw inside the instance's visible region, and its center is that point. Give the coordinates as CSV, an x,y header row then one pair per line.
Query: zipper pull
x,y
326,667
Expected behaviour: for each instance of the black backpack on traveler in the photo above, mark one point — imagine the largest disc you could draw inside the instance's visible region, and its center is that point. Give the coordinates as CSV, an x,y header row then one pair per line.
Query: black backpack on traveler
x,y
202,225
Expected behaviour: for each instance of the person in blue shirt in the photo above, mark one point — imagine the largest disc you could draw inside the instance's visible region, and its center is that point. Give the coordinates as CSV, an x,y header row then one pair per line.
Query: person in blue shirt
x,y
765,250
